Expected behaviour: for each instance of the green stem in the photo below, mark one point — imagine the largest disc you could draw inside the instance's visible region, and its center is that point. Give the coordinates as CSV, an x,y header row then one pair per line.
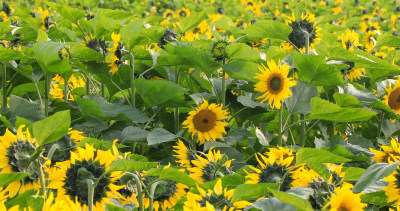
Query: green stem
x,y
66,90
302,130
139,190
378,133
88,84
223,91
176,110
280,126
132,74
42,180
4,86
91,187
152,190
103,94
39,94
47,81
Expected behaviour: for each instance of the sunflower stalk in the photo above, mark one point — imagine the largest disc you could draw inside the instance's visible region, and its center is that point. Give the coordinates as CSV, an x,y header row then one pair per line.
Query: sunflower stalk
x,y
4,86
378,133
152,190
132,74
139,190
66,90
302,117
42,179
176,110
91,186
47,81
280,126
223,92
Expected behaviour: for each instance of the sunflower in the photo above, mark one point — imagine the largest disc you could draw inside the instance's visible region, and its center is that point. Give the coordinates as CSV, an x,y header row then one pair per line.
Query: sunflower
x,y
218,50
355,74
182,13
274,83
169,14
303,176
184,155
369,40
205,170
306,23
370,26
69,177
97,44
282,153
392,98
390,154
345,199
350,40
272,170
216,199
205,122
44,18
15,152
52,204
116,53
58,81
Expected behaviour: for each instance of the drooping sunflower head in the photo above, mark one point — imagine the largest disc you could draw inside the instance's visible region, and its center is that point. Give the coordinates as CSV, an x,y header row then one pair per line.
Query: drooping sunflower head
x,y
218,50
168,36
350,40
255,44
282,155
274,83
15,153
63,54
345,199
306,24
355,74
184,154
272,170
209,168
369,40
70,177
392,190
303,176
182,13
392,98
390,154
205,122
97,44
7,9
115,53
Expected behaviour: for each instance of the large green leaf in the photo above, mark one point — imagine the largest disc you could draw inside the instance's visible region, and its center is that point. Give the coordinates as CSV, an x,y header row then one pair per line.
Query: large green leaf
x,y
47,55
387,40
131,165
373,174
23,108
299,102
269,29
9,54
309,155
68,13
323,109
6,179
96,106
52,128
252,191
191,21
294,200
98,144
241,51
130,34
314,70
242,70
346,100
177,176
84,53
160,92
161,135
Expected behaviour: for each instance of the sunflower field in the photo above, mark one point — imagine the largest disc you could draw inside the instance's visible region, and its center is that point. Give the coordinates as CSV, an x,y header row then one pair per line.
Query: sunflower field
x,y
199,105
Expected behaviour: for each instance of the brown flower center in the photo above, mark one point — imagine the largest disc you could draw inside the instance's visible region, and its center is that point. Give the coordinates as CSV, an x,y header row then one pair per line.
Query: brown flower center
x,y
275,83
204,120
394,99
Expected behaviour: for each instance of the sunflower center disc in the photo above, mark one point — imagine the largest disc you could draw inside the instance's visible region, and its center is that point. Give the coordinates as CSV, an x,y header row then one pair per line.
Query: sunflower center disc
x,y
205,120
183,14
275,84
394,99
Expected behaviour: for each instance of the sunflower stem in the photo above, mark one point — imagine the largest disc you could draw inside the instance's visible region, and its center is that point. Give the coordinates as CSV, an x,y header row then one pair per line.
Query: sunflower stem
x,y
66,90
302,130
280,126
378,133
132,74
4,86
176,110
91,187
139,190
42,180
88,84
103,94
152,190
223,88
47,81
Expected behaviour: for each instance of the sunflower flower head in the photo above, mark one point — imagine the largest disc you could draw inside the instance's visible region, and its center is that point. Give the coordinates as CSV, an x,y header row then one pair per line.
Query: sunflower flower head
x,y
389,154
182,13
274,83
345,199
218,50
184,154
205,122
392,97
350,40
392,190
115,53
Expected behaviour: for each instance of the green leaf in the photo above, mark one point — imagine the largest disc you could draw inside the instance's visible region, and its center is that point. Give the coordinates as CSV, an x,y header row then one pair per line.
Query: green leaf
x,y
373,174
96,106
314,70
352,174
114,208
23,108
52,128
380,106
177,176
130,34
346,100
22,199
242,70
68,13
299,102
131,165
326,18
252,191
323,109
42,36
269,29
99,144
9,54
21,121
131,133
161,135
242,52
82,52
387,40
294,200
190,22
378,198
309,155
321,169
160,92
47,55
6,179
298,10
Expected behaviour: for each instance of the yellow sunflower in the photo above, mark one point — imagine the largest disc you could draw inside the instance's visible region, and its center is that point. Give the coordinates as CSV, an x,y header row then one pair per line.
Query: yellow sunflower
x,y
69,177
184,154
303,176
369,40
169,14
355,74
350,40
307,23
345,199
182,13
15,152
274,83
116,55
57,86
205,170
390,154
206,122
392,98
272,170
392,190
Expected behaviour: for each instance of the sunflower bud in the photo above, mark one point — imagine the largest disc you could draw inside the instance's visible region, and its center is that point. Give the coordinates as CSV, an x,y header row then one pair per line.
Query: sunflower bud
x,y
169,36
218,50
63,54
